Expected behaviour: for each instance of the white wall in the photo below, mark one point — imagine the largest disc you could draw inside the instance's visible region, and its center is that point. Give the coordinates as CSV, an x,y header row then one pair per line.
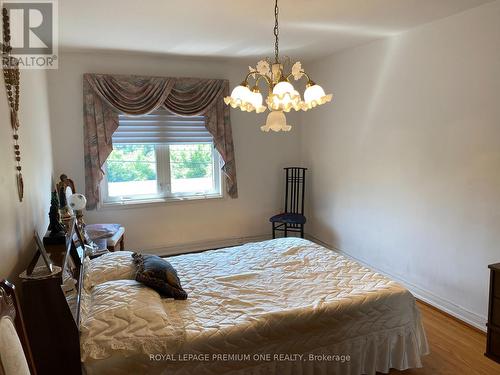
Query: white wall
x,y
19,220
405,163
259,156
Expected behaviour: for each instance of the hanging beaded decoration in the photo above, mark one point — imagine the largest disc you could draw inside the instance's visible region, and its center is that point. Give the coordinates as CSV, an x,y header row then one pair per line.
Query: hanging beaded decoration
x,y
10,67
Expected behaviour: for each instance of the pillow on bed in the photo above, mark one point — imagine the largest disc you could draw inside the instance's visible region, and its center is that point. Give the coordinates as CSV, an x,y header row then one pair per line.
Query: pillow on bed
x,y
117,265
159,275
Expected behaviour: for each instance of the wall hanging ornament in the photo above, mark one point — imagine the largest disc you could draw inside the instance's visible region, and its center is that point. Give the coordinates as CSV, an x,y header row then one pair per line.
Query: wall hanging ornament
x,y
10,66
282,96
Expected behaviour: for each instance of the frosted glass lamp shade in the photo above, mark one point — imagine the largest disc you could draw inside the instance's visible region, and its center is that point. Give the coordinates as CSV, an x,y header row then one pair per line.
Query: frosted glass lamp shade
x,y
313,92
255,100
284,97
283,87
77,202
314,96
241,93
276,121
242,97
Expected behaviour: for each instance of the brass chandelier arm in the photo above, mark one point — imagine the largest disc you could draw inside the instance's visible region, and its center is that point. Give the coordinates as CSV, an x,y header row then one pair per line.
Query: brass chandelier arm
x,y
259,76
310,82
270,85
268,81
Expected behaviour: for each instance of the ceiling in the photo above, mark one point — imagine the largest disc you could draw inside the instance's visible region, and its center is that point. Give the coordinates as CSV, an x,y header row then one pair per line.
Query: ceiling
x,y
309,29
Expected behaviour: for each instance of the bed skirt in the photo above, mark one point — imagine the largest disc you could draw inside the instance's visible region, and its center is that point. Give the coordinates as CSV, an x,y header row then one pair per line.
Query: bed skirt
x,y
399,348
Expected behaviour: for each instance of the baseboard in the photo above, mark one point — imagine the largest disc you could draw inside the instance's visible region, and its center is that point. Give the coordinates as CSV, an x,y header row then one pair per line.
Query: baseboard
x,y
197,246
428,297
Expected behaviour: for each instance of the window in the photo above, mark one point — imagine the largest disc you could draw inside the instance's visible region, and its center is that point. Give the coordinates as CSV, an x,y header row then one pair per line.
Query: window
x,y
161,156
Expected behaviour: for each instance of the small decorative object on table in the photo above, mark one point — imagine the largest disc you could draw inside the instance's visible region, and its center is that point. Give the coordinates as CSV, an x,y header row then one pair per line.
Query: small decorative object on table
x,y
77,203
55,238
65,188
11,76
55,226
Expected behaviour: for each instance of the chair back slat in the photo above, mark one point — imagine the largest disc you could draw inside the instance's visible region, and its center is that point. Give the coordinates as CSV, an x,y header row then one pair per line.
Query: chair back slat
x,y
286,189
295,178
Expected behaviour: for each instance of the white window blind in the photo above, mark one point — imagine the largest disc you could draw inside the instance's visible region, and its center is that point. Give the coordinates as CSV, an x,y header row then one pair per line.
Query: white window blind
x,y
161,127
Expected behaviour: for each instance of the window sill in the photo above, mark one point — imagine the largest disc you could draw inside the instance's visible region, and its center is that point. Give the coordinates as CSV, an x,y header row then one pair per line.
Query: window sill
x,y
157,201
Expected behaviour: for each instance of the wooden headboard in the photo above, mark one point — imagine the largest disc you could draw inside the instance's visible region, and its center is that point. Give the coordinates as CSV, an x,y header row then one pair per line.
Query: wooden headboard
x,y
53,323
9,306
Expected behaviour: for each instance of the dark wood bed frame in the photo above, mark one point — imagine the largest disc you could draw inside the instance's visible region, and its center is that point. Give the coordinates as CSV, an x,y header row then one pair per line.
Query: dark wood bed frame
x,y
9,306
53,325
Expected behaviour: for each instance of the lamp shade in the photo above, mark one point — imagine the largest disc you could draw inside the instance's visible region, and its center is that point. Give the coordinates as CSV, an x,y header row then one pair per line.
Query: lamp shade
x,y
241,97
77,202
276,121
283,87
240,93
315,95
255,100
284,97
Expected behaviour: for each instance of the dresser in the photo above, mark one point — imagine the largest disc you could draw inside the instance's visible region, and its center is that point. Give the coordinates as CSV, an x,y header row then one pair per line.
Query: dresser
x,y
493,338
52,315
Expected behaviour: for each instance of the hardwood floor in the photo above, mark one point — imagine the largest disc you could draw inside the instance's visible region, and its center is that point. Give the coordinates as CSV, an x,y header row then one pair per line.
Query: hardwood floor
x,y
456,349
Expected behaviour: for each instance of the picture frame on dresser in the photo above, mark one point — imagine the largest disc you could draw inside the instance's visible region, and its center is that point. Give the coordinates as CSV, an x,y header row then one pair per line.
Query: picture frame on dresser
x,y
45,256
43,252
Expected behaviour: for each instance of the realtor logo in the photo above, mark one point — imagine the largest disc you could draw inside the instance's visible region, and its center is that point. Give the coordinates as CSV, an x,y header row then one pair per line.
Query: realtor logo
x,y
34,32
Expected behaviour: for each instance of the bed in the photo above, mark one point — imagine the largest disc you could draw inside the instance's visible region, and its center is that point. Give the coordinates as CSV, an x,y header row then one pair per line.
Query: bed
x,y
284,306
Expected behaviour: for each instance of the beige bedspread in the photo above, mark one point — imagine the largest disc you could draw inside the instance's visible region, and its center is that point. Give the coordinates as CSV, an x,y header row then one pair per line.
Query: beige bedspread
x,y
285,306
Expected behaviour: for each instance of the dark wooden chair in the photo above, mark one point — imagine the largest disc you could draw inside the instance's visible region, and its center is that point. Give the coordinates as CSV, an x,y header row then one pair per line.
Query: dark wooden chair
x,y
19,356
292,219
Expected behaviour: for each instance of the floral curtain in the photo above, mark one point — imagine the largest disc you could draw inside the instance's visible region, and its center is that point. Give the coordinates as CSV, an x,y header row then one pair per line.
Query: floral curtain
x,y
107,96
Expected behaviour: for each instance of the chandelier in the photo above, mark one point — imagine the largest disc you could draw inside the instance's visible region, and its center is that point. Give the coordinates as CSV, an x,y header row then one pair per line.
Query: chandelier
x,y
282,96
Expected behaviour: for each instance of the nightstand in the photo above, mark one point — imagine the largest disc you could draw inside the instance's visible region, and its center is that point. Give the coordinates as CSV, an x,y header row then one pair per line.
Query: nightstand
x,y
117,240
103,232
493,338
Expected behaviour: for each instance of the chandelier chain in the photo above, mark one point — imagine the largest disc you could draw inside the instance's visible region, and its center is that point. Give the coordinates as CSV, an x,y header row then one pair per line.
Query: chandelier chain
x,y
276,33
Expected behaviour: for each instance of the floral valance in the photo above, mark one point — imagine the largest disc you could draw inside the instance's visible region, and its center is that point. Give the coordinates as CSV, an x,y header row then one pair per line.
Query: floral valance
x,y
107,96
